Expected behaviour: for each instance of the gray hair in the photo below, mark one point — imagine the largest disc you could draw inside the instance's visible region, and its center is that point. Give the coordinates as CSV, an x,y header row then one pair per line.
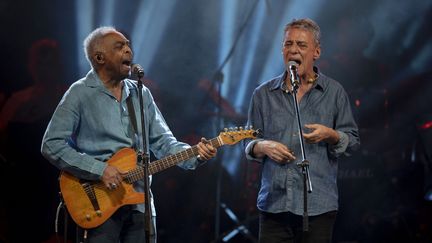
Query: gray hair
x,y
306,24
92,42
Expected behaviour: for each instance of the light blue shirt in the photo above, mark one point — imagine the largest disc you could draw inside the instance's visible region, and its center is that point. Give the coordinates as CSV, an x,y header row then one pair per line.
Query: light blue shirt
x,y
272,110
89,125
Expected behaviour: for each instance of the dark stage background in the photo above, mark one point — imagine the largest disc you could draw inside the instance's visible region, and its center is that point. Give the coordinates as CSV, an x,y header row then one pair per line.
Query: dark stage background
x,y
192,51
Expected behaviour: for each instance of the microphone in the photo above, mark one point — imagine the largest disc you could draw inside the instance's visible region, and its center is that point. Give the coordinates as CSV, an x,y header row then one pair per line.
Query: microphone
x,y
138,70
292,68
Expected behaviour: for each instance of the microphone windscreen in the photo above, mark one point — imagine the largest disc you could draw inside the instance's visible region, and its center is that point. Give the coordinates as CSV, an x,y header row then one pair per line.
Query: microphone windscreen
x,y
292,64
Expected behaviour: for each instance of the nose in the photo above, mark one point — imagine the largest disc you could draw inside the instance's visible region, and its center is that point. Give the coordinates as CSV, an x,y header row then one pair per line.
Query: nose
x,y
293,49
128,49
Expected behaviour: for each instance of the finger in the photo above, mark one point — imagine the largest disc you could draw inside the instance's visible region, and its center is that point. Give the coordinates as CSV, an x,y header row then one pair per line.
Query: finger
x,y
202,149
291,156
309,140
202,155
111,185
307,137
287,153
275,157
205,155
311,126
211,150
287,158
204,140
281,159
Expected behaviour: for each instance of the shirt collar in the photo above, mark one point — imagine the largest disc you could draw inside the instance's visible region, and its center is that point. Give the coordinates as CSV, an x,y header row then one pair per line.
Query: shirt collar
x,y
93,80
278,82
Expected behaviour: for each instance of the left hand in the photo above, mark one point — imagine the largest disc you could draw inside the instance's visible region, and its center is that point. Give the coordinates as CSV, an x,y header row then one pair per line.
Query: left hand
x,y
320,133
206,151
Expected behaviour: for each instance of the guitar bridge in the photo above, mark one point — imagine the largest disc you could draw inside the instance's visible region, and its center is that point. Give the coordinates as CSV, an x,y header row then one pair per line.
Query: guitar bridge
x,y
89,190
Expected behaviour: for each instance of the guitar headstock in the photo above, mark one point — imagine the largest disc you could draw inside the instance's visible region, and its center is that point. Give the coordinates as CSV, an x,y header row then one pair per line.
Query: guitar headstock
x,y
235,135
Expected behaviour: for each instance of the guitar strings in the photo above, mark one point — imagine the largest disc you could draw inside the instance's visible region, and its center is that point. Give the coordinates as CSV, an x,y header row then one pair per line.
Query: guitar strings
x,y
154,167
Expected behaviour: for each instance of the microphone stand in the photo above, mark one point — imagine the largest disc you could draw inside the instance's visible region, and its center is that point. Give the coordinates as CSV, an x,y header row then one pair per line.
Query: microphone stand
x,y
143,159
304,164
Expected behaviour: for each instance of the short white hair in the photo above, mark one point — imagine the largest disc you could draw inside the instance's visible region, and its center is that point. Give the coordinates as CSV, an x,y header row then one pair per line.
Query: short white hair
x,y
91,42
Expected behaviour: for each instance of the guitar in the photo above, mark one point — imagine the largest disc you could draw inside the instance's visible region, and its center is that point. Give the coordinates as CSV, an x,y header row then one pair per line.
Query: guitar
x,y
90,203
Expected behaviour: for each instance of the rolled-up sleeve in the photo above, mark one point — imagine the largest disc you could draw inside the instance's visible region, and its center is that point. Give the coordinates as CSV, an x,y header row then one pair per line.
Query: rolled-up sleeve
x,y
57,143
346,127
255,120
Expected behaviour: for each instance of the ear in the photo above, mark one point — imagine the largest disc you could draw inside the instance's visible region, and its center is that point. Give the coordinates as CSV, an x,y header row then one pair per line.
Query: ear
x,y
317,53
99,57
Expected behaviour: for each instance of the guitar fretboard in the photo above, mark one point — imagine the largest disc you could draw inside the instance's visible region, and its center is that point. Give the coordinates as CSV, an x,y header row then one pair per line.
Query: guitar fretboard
x,y
167,162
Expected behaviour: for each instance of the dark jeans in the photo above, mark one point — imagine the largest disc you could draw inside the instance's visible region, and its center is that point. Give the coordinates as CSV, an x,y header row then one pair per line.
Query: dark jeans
x,y
288,227
125,226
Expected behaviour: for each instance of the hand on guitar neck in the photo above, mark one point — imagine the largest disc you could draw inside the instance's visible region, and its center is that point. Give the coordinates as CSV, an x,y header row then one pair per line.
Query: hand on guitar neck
x,y
206,150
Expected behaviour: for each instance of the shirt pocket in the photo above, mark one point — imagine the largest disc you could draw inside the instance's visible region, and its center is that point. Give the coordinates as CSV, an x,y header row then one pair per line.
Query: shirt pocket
x,y
323,117
275,126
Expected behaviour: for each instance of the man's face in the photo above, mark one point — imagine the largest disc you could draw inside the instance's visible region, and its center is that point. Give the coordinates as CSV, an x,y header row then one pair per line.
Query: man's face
x,y
299,46
118,55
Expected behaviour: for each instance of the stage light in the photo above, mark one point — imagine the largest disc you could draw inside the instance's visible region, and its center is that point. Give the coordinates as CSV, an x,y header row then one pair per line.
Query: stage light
x,y
84,25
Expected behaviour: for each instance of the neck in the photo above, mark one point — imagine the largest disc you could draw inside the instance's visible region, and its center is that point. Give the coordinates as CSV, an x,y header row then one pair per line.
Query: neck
x,y
304,86
309,77
108,80
111,83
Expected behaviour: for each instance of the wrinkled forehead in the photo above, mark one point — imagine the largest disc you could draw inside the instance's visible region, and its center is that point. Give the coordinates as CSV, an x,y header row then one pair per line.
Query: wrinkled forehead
x,y
301,32
115,35
294,33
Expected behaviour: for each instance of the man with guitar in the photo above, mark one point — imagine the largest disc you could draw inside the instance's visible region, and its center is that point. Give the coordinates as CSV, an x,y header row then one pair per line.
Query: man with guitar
x,y
90,137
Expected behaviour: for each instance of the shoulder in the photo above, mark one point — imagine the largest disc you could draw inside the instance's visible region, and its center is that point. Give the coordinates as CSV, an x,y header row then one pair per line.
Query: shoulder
x,y
133,85
78,90
330,84
335,91
270,85
78,86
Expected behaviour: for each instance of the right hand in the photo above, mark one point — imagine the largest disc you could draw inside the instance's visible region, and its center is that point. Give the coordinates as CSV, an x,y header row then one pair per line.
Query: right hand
x,y
112,177
275,151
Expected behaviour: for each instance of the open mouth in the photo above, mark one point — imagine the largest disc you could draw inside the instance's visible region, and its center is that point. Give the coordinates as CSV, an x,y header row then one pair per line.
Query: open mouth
x,y
127,64
298,61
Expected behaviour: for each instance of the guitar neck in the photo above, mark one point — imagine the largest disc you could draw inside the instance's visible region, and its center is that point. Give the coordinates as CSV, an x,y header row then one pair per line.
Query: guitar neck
x,y
169,161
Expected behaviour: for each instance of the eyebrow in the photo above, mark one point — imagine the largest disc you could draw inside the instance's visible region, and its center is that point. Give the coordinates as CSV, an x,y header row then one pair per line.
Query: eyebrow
x,y
295,41
127,42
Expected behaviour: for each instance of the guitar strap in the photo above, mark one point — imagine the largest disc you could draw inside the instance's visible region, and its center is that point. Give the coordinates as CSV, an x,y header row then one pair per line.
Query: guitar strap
x,y
132,116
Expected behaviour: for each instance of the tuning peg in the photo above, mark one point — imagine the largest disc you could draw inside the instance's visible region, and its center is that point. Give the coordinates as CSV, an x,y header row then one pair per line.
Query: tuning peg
x,y
225,129
236,128
241,128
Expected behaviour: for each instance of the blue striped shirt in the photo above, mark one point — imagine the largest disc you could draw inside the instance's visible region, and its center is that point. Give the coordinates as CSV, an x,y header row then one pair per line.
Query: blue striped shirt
x,y
272,110
89,125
